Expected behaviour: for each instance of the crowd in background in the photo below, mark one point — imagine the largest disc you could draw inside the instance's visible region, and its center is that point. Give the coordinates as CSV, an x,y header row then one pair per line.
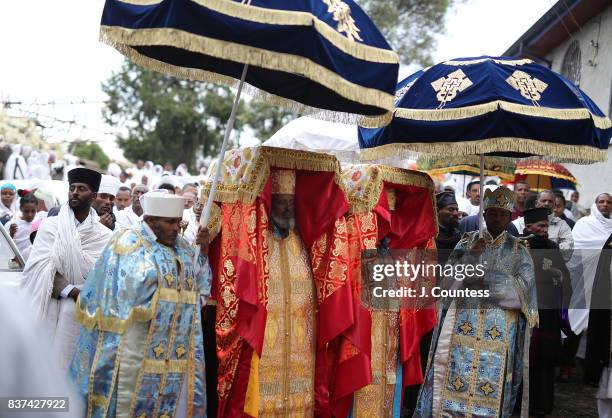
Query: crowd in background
x,y
35,185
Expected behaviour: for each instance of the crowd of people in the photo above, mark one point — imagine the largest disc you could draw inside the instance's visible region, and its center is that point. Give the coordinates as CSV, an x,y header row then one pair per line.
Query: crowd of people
x,y
136,238
117,202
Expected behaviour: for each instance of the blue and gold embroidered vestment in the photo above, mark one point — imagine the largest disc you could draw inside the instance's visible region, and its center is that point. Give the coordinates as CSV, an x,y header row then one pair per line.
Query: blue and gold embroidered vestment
x,y
140,348
479,348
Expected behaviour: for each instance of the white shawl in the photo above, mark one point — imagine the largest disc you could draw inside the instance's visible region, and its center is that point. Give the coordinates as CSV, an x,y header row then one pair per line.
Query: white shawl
x,y
62,246
13,210
590,234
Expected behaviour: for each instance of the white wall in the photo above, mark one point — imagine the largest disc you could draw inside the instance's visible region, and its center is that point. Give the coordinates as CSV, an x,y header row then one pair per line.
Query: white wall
x,y
596,81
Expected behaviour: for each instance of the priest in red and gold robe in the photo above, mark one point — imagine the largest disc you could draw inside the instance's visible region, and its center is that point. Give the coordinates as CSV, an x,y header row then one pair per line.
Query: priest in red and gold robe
x,y
282,285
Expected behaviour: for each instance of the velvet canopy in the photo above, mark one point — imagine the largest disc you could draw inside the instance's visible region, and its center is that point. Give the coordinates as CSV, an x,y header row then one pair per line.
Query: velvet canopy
x,y
321,54
493,106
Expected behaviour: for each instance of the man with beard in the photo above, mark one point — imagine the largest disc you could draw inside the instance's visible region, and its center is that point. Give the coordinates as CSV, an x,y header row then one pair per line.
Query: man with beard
x,y
521,191
105,200
479,346
65,249
140,317
554,292
288,353
132,214
470,223
448,225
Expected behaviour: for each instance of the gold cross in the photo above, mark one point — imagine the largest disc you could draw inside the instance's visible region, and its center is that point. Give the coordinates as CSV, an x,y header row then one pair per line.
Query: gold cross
x,y
342,14
158,350
164,415
458,383
448,87
501,200
190,282
529,87
169,279
466,328
494,333
180,351
487,389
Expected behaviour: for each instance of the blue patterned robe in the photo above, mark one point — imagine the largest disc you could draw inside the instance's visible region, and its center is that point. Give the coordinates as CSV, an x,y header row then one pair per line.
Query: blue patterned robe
x,y
141,334
479,349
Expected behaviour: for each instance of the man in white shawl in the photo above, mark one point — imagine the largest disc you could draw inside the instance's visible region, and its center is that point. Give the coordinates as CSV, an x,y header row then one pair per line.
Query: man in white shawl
x,y
66,248
590,234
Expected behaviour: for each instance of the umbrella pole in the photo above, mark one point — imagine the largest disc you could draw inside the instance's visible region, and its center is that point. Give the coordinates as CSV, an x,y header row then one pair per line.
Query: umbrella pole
x,y
480,208
228,131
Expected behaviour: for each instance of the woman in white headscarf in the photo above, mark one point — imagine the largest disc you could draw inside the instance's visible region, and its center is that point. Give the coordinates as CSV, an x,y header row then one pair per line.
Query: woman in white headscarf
x,y
590,234
16,167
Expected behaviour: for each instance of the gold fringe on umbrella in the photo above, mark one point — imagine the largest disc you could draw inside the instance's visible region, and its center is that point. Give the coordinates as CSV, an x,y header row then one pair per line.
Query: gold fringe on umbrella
x,y
124,40
448,114
293,18
298,18
558,152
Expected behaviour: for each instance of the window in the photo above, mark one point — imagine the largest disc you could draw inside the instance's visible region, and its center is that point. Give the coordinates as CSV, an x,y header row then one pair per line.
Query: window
x,y
571,63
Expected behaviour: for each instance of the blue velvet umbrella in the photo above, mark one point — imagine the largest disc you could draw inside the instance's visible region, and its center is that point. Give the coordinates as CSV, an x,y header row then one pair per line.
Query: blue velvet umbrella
x,y
305,54
322,54
491,106
497,106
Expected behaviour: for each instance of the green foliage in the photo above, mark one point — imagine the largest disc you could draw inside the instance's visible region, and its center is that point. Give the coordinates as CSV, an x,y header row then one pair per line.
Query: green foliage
x,y
90,151
410,26
168,119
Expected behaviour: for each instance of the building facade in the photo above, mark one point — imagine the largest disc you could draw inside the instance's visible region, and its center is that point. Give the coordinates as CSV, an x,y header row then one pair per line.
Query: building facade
x,y
574,38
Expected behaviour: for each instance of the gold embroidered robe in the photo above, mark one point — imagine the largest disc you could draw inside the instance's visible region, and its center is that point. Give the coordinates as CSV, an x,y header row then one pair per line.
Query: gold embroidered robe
x,y
286,369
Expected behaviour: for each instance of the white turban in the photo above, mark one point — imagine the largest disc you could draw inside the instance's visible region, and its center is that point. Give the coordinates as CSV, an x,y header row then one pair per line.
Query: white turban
x,y
109,185
163,204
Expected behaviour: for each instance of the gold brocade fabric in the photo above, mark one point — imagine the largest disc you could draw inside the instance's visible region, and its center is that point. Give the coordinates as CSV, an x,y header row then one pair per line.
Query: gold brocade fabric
x,y
286,369
376,399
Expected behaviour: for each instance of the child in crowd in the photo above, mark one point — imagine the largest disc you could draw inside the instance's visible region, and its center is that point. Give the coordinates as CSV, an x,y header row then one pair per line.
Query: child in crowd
x,y
19,227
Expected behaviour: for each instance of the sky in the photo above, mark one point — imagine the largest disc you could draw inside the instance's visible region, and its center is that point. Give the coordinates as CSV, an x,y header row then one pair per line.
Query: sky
x,y
50,53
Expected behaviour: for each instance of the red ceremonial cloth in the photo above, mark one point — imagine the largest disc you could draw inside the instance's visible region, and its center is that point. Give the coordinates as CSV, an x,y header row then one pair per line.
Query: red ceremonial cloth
x,y
240,281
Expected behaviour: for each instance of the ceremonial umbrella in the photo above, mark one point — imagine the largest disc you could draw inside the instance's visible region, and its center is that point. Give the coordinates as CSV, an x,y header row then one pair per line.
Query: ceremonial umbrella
x,y
468,166
308,55
491,106
544,175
